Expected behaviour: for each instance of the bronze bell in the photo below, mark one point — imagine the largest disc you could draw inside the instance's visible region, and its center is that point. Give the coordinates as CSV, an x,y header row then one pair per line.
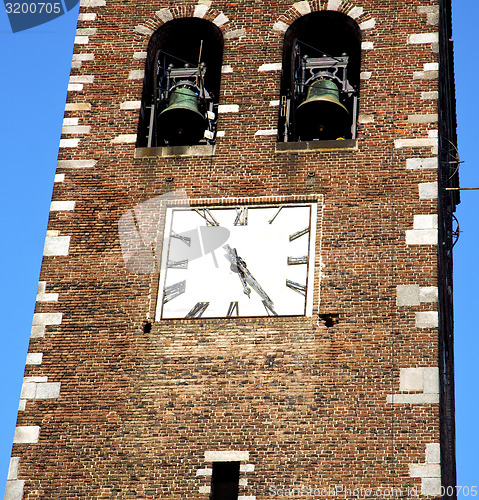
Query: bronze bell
x,y
321,115
181,123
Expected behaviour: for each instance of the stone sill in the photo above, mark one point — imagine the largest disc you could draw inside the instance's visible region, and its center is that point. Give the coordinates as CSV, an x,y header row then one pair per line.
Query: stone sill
x,y
305,146
196,150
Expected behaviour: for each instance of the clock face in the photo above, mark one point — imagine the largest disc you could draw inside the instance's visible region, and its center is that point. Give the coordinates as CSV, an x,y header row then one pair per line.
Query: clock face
x,y
254,260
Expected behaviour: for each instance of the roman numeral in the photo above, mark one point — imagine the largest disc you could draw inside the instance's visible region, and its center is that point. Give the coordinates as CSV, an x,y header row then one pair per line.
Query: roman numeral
x,y
233,307
297,287
206,214
269,308
177,264
185,239
198,310
173,291
298,234
241,216
275,215
293,261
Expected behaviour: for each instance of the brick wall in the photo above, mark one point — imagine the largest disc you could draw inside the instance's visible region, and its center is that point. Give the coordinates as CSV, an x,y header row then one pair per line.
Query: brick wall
x,y
111,409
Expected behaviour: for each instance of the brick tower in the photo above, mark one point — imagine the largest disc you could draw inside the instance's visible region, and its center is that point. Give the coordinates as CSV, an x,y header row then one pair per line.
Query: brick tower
x,y
246,286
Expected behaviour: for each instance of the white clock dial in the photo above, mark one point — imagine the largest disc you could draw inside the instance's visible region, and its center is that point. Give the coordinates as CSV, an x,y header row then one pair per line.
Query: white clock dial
x,y
254,260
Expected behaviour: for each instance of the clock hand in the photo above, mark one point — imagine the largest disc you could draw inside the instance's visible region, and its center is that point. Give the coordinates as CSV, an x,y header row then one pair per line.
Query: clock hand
x,y
245,275
237,266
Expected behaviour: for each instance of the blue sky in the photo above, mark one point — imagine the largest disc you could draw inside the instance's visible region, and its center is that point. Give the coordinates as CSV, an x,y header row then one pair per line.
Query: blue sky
x,y
35,70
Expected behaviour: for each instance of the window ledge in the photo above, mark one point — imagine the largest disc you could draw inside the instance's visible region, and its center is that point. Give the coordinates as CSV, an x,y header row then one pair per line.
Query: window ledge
x,y
303,146
196,150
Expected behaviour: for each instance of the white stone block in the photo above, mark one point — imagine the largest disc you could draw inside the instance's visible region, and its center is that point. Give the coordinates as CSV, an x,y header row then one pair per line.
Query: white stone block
x,y
272,131
431,380
431,66
355,12
432,133
205,489
220,20
26,434
246,467
226,69
414,143
78,129
86,31
48,390
14,489
22,405
425,75
69,143
130,105
430,95
136,74
365,75
124,139
13,468
407,295
75,87
411,379
69,122
238,33
431,486
81,40
220,133
44,319
87,17
433,453
412,399
426,118
37,332
164,14
428,190
204,472
59,206
428,221
78,106
367,25
59,178
420,38
270,67
362,118
274,102
427,319
280,26
302,7
243,481
200,11
28,391
421,237
56,246
424,470
367,45
226,456
140,55
416,163
34,358
228,108
334,4
143,30
76,163
428,294
92,3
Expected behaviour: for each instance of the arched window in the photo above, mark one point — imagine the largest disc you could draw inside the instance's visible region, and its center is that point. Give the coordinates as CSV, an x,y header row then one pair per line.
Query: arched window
x,y
181,86
320,78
